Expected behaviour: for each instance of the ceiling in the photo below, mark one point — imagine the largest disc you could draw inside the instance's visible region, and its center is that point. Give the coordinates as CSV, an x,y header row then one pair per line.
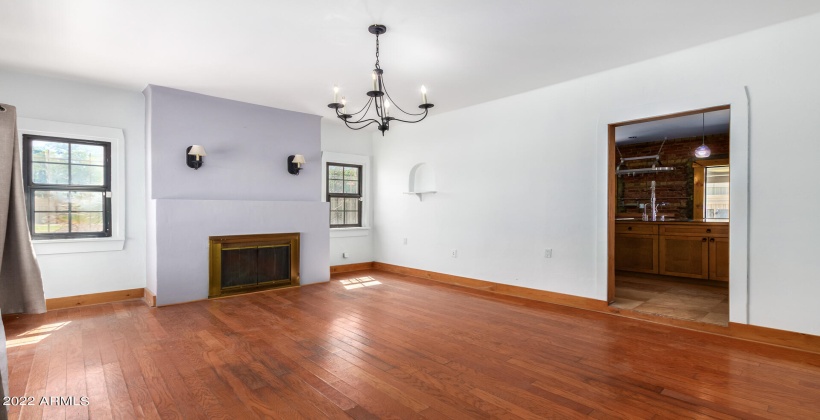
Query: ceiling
x,y
289,54
715,122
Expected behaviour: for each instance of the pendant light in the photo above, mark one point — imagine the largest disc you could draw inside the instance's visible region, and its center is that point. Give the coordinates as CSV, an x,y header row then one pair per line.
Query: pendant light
x,y
703,150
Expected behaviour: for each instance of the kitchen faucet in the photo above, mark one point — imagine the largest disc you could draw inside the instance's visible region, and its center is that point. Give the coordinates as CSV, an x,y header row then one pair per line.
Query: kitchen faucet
x,y
652,205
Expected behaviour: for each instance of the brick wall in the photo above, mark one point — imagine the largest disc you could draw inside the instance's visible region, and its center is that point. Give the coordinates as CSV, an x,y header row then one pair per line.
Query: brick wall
x,y
674,187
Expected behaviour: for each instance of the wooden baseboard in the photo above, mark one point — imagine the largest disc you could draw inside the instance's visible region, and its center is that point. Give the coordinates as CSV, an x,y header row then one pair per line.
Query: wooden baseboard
x,y
335,269
782,338
94,299
150,298
503,289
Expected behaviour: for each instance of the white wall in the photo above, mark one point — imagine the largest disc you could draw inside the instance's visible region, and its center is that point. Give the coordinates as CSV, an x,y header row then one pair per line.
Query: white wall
x,y
520,174
74,102
342,143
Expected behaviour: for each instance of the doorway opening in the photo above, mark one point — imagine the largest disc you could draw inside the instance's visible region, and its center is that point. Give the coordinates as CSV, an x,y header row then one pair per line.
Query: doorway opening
x,y
668,216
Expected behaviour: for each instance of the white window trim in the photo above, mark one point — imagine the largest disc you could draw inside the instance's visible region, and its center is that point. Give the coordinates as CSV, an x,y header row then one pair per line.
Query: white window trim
x,y
367,217
116,138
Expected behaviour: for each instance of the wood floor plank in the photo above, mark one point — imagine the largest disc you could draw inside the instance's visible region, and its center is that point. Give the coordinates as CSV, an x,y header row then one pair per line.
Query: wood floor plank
x,y
399,348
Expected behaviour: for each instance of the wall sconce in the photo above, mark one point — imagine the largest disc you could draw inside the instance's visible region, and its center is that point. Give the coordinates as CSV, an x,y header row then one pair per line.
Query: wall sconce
x,y
193,156
295,164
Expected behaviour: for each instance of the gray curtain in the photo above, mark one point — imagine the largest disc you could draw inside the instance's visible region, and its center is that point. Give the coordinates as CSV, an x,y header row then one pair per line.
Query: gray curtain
x,y
21,285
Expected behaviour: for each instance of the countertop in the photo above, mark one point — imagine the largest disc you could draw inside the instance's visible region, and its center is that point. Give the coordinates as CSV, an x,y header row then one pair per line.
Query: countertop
x,y
676,221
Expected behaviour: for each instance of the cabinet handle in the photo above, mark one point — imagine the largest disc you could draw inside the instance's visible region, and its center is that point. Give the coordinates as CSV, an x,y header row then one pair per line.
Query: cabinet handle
x,y
703,240
711,239
629,228
708,230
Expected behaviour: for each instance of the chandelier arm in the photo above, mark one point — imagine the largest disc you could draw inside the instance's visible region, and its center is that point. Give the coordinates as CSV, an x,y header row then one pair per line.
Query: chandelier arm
x,y
412,122
397,105
365,109
371,121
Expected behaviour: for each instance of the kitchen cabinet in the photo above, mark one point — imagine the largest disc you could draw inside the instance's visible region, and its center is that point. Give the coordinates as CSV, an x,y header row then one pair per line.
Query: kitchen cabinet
x,y
684,256
636,248
683,249
719,259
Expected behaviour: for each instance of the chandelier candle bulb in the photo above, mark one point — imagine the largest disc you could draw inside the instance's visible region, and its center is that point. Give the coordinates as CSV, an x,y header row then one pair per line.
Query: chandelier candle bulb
x,y
423,94
335,94
375,88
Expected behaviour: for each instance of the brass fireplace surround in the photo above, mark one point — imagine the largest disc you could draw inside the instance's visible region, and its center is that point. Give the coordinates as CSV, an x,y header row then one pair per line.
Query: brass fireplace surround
x,y
220,243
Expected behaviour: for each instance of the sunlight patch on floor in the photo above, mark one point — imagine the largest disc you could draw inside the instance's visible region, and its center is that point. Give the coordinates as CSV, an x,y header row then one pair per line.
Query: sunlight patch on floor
x,y
47,328
17,342
359,282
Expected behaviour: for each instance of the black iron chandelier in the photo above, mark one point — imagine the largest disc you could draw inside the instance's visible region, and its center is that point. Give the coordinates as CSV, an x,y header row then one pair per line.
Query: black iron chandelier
x,y
378,98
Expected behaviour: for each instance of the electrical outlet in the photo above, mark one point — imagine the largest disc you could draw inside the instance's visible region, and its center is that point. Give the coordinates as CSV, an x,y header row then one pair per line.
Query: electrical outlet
x,y
345,255
405,241
454,253
548,253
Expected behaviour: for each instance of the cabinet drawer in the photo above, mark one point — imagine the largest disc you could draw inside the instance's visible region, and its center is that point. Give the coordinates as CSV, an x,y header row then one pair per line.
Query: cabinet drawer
x,y
696,230
636,228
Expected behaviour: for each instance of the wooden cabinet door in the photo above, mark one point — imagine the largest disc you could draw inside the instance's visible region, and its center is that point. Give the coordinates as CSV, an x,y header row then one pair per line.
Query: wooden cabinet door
x,y
719,259
636,253
684,256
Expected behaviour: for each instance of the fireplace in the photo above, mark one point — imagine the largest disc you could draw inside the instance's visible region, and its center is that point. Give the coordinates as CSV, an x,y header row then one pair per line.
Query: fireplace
x,y
248,263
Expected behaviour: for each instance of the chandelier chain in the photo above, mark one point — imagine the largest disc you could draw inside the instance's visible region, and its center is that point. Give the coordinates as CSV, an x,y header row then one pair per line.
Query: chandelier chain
x,y
377,51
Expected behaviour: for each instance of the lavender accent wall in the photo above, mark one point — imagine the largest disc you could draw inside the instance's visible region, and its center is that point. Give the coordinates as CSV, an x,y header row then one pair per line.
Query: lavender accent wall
x,y
242,188
247,148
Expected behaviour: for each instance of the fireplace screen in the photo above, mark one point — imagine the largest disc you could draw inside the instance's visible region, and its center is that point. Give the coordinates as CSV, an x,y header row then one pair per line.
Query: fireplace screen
x,y
253,262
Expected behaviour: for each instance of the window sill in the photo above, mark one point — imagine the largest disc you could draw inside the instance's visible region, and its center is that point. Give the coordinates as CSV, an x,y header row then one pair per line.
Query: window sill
x,y
71,246
349,232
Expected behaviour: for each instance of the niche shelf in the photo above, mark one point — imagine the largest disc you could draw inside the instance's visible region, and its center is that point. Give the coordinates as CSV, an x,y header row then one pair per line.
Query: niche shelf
x,y
422,180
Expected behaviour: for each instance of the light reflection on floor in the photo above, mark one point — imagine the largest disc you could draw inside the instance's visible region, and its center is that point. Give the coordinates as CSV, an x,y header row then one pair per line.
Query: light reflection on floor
x,y
359,282
35,335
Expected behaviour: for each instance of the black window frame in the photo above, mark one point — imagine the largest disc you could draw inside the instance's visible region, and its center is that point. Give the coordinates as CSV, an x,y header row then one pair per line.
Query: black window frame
x,y
30,187
330,195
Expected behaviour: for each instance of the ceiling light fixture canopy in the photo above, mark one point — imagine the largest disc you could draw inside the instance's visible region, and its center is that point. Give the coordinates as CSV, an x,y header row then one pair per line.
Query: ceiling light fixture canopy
x,y
703,150
378,99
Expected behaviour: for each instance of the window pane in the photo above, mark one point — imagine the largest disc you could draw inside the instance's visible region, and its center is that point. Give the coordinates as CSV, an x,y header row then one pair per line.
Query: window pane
x,y
87,175
49,173
335,187
86,201
717,192
337,203
351,204
50,222
87,154
337,217
334,172
352,217
51,201
87,222
49,151
351,187
351,173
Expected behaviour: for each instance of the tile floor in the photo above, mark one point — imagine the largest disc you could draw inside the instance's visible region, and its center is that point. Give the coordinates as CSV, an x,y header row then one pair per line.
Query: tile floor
x,y
674,298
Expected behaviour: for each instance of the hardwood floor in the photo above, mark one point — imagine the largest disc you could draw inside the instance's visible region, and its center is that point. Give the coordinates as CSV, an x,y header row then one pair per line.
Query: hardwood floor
x,y
376,345
692,300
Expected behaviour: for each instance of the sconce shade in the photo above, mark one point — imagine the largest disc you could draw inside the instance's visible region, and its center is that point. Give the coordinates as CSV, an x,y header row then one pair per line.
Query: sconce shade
x,y
197,150
193,156
295,164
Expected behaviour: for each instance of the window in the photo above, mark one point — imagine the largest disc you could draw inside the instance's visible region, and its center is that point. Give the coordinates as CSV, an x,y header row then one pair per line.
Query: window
x,y
716,200
68,187
344,192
